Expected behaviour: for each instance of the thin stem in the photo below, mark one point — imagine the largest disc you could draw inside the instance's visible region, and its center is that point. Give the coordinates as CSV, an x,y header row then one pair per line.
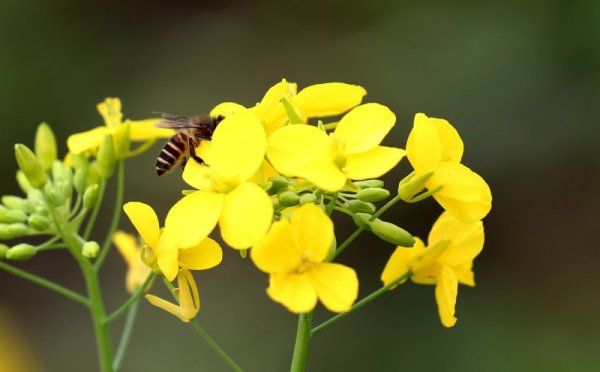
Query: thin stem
x,y
131,301
92,220
360,303
126,335
45,283
116,217
331,204
202,332
359,230
303,336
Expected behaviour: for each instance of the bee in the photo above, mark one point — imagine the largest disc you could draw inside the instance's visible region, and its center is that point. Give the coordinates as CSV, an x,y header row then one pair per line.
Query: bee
x,y
192,130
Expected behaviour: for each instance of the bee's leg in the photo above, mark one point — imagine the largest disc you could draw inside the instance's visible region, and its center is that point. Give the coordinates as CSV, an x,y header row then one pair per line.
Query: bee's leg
x,y
183,162
193,152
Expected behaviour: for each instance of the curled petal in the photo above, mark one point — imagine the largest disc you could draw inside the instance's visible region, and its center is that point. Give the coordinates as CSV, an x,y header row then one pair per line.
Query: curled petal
x,y
329,99
364,127
205,255
294,291
446,291
423,147
397,265
247,215
336,285
312,232
167,306
451,144
466,239
373,163
145,221
189,298
464,193
84,141
276,251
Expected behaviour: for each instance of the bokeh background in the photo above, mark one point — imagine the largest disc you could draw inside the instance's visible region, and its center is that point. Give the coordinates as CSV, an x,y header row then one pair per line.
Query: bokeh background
x,y
520,81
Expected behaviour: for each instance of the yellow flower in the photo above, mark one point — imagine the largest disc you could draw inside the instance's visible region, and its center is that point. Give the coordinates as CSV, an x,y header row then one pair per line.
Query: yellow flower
x,y
242,209
352,151
445,262
137,271
293,253
434,147
110,110
188,296
176,245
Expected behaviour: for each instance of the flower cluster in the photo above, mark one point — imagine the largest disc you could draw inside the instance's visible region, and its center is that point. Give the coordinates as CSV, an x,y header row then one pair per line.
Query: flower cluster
x,y
274,173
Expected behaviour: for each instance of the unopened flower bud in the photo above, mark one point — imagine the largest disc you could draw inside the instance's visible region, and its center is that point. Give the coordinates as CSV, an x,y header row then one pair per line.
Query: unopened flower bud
x,y
54,195
90,196
358,206
21,252
38,222
362,220
80,180
373,194
30,165
392,233
23,182
427,257
3,251
279,182
288,198
93,174
366,184
12,215
60,172
307,198
412,185
332,249
106,158
90,249
14,202
79,161
45,146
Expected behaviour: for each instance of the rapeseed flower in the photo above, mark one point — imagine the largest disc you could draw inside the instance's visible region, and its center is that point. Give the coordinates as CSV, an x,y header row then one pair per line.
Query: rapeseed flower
x,y
187,296
131,251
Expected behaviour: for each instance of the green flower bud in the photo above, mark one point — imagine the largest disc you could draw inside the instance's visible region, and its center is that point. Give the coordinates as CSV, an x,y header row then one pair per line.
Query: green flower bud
x,y
3,251
366,184
279,182
411,185
374,194
54,195
392,233
23,183
45,146
30,165
93,174
357,206
21,252
38,222
332,249
36,199
106,158
79,161
90,250
90,196
12,215
288,198
14,202
363,220
307,198
80,180
60,172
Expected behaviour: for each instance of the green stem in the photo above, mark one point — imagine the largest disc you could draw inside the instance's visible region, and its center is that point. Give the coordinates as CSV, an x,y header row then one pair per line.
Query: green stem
x,y
92,220
131,301
202,332
303,336
126,335
360,303
359,230
116,217
331,204
45,283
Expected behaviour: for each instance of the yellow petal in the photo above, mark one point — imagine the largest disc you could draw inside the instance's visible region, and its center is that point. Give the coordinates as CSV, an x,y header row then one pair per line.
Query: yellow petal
x,y
397,265
127,246
329,99
446,291
142,130
294,291
304,151
464,193
465,274
423,147
145,221
189,298
198,175
246,217
276,252
84,141
110,110
225,109
364,127
192,218
451,144
373,163
238,146
336,285
466,239
205,255
167,258
312,232
270,110
166,306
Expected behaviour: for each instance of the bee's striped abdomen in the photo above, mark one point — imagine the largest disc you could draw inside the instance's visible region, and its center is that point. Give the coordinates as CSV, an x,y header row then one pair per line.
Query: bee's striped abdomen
x,y
172,153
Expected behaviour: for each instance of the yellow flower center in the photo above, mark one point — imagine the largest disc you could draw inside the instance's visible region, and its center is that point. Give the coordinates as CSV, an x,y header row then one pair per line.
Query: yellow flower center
x,y
338,147
222,183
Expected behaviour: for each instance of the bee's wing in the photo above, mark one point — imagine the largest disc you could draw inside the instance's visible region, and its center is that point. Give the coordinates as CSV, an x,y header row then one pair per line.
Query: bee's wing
x,y
174,122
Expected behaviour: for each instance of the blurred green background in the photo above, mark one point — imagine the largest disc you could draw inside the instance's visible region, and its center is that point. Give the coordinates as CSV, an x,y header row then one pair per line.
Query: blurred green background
x,y
519,80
